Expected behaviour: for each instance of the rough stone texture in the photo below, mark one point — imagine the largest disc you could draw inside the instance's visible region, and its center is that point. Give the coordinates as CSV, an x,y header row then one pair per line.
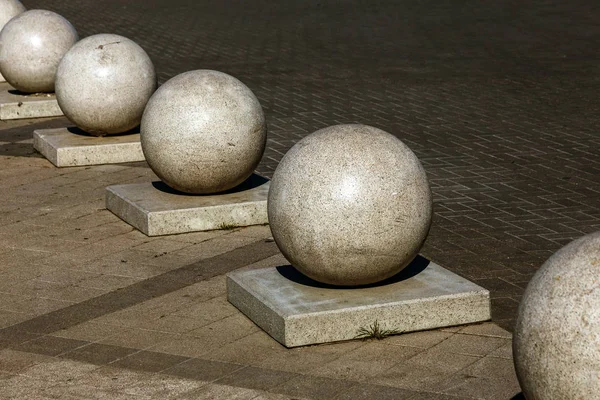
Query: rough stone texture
x,y
556,343
297,311
155,209
103,84
69,147
203,132
17,105
10,9
31,46
350,205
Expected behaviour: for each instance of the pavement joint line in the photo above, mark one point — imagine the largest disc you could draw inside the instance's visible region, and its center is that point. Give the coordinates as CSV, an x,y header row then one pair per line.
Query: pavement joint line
x,y
137,293
118,356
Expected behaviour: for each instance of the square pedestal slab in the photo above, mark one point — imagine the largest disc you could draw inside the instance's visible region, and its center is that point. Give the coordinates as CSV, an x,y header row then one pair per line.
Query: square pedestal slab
x,y
70,147
17,105
297,311
156,209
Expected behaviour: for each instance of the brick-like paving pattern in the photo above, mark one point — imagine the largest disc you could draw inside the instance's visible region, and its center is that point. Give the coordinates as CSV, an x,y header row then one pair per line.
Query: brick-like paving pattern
x,y
498,100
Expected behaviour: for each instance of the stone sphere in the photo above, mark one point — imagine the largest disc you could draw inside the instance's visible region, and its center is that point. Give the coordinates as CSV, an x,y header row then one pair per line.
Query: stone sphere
x,y
203,132
349,205
103,84
9,9
556,342
31,46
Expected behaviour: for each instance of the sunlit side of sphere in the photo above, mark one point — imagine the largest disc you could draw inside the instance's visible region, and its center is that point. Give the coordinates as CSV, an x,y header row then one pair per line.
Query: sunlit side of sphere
x,y
556,341
9,9
31,46
349,205
203,132
103,84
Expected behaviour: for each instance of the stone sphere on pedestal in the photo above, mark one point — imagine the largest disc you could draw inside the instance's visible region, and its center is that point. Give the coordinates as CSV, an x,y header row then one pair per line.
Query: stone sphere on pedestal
x,y
9,9
103,84
203,132
349,205
556,342
31,46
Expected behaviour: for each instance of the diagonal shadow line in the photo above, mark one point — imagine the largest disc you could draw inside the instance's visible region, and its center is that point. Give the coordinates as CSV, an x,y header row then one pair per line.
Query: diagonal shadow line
x,y
137,293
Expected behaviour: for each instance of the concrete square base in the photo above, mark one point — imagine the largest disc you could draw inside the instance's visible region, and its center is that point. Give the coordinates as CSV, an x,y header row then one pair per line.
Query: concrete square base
x,y
70,147
156,209
297,311
17,105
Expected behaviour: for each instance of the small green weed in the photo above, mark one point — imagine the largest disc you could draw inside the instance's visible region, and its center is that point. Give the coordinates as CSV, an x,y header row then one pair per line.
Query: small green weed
x,y
375,332
227,227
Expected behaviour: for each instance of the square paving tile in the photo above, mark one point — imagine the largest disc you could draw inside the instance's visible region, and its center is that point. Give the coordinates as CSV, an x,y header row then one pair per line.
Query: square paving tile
x,y
149,361
50,345
99,354
257,378
204,370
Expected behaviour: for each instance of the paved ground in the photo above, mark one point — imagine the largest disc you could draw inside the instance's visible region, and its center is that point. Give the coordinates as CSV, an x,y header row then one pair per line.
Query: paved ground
x,y
498,100
92,309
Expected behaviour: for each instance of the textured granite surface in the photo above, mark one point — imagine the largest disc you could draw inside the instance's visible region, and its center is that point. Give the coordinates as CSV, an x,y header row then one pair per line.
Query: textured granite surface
x,y
9,9
71,147
31,46
156,209
350,205
297,311
103,84
556,341
203,132
19,105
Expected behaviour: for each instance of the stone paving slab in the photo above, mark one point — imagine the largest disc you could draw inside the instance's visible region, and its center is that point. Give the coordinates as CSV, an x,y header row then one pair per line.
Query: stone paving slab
x,y
156,209
17,105
71,147
297,311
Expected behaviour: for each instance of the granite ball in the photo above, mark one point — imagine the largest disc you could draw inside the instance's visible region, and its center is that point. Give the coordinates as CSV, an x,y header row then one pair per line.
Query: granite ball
x,y
31,46
556,342
203,132
103,84
349,205
9,9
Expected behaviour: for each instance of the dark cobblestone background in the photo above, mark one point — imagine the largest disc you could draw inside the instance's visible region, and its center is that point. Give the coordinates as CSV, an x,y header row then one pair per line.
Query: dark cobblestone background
x,y
499,99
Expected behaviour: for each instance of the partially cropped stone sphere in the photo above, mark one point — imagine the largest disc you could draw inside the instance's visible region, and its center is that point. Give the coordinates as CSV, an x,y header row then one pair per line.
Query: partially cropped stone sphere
x,y
9,9
203,132
349,205
556,342
31,46
103,84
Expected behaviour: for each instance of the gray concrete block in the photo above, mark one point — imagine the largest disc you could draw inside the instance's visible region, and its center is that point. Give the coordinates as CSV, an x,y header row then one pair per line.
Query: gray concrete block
x,y
17,105
70,147
156,209
298,311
